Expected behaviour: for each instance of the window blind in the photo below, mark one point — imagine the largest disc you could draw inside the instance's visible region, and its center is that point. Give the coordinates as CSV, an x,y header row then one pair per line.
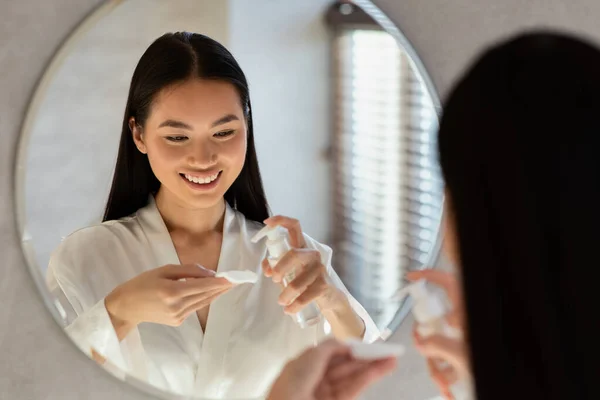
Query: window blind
x,y
387,187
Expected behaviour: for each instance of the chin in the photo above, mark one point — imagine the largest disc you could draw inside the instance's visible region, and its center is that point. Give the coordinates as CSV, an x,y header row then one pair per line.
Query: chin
x,y
193,199
204,200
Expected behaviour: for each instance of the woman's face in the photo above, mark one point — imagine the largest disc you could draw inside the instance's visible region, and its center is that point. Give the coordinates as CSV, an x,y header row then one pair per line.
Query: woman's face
x,y
195,139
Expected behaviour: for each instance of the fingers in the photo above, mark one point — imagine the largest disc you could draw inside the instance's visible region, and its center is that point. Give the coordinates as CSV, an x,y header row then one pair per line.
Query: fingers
x,y
348,367
266,267
446,280
324,391
201,302
443,348
443,377
443,372
293,227
207,272
321,355
351,366
311,367
294,260
354,384
176,272
439,346
315,290
296,287
268,271
197,286
336,361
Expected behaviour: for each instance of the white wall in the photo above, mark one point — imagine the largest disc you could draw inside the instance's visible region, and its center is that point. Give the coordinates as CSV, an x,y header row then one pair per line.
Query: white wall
x,y
287,66
38,361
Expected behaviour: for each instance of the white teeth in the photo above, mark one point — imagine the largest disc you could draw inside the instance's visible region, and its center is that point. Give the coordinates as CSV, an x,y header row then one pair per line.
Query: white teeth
x,y
196,179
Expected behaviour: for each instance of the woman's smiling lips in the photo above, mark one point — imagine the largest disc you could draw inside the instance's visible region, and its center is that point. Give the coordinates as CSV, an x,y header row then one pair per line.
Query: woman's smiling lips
x,y
202,181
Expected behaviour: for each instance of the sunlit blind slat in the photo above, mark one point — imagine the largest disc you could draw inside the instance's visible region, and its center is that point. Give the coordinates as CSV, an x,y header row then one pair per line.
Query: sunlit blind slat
x,y
386,183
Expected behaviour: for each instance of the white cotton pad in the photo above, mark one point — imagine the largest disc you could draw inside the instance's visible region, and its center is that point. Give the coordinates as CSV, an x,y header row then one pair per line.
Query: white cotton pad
x,y
238,277
374,351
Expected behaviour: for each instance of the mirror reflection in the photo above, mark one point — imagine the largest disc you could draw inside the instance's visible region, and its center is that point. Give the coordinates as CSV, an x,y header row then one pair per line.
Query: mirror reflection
x,y
205,206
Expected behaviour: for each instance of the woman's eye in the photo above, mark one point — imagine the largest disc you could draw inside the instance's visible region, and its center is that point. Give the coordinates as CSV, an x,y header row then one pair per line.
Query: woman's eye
x,y
176,138
224,134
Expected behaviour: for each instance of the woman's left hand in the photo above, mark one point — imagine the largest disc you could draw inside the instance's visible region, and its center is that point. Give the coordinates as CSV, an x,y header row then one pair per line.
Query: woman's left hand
x,y
311,281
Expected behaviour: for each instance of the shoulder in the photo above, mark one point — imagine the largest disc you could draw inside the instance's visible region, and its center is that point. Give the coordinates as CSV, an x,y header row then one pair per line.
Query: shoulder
x,y
89,243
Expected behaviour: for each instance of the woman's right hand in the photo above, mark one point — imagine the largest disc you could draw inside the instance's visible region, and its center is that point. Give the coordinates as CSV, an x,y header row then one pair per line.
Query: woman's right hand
x,y
160,296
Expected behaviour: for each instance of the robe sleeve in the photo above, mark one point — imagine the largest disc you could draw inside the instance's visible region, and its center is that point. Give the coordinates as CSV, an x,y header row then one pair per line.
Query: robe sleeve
x,y
85,321
372,333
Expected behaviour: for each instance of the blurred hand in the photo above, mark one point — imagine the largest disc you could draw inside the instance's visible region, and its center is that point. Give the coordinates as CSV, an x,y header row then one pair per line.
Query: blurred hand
x,y
328,372
447,358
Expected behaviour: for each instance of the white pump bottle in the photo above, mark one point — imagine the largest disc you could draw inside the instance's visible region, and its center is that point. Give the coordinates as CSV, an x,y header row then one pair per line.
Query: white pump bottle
x,y
430,312
278,246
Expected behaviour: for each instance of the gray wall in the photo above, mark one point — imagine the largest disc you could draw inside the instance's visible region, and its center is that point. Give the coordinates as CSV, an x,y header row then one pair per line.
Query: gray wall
x,y
446,34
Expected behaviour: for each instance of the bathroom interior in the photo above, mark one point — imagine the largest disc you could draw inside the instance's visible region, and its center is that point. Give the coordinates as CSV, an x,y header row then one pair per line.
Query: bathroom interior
x,y
346,102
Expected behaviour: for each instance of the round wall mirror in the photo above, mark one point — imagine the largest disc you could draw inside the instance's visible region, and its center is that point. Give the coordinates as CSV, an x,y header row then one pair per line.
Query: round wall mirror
x,y
171,152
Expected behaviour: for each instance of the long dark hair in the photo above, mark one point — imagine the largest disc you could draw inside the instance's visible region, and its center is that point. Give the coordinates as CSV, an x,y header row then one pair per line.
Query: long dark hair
x,y
172,58
519,147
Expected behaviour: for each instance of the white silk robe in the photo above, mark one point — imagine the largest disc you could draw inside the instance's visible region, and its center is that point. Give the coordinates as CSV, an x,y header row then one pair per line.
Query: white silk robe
x,y
248,337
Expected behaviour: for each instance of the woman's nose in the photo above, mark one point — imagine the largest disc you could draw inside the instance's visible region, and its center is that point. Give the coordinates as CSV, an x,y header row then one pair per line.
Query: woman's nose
x,y
202,156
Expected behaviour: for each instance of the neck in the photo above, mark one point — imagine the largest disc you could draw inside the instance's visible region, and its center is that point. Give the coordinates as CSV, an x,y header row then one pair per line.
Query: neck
x,y
179,216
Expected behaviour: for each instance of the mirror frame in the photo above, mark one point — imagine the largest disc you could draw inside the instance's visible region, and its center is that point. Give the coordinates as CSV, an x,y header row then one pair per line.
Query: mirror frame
x,y
96,14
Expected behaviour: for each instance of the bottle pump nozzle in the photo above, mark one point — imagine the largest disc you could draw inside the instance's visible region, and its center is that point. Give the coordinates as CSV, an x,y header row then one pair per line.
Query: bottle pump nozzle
x,y
272,232
276,240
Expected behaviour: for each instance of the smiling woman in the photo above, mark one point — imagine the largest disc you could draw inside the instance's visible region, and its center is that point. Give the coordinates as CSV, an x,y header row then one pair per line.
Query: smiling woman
x,y
187,192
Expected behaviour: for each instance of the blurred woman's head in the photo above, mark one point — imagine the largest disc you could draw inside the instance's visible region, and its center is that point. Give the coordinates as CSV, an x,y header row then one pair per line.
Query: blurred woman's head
x,y
520,153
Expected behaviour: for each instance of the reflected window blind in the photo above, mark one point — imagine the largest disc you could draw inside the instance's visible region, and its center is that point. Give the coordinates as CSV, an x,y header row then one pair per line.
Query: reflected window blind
x,y
387,188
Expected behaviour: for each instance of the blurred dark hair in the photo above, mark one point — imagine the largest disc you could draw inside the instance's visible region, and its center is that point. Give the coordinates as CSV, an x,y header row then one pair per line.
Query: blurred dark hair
x,y
520,152
173,58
